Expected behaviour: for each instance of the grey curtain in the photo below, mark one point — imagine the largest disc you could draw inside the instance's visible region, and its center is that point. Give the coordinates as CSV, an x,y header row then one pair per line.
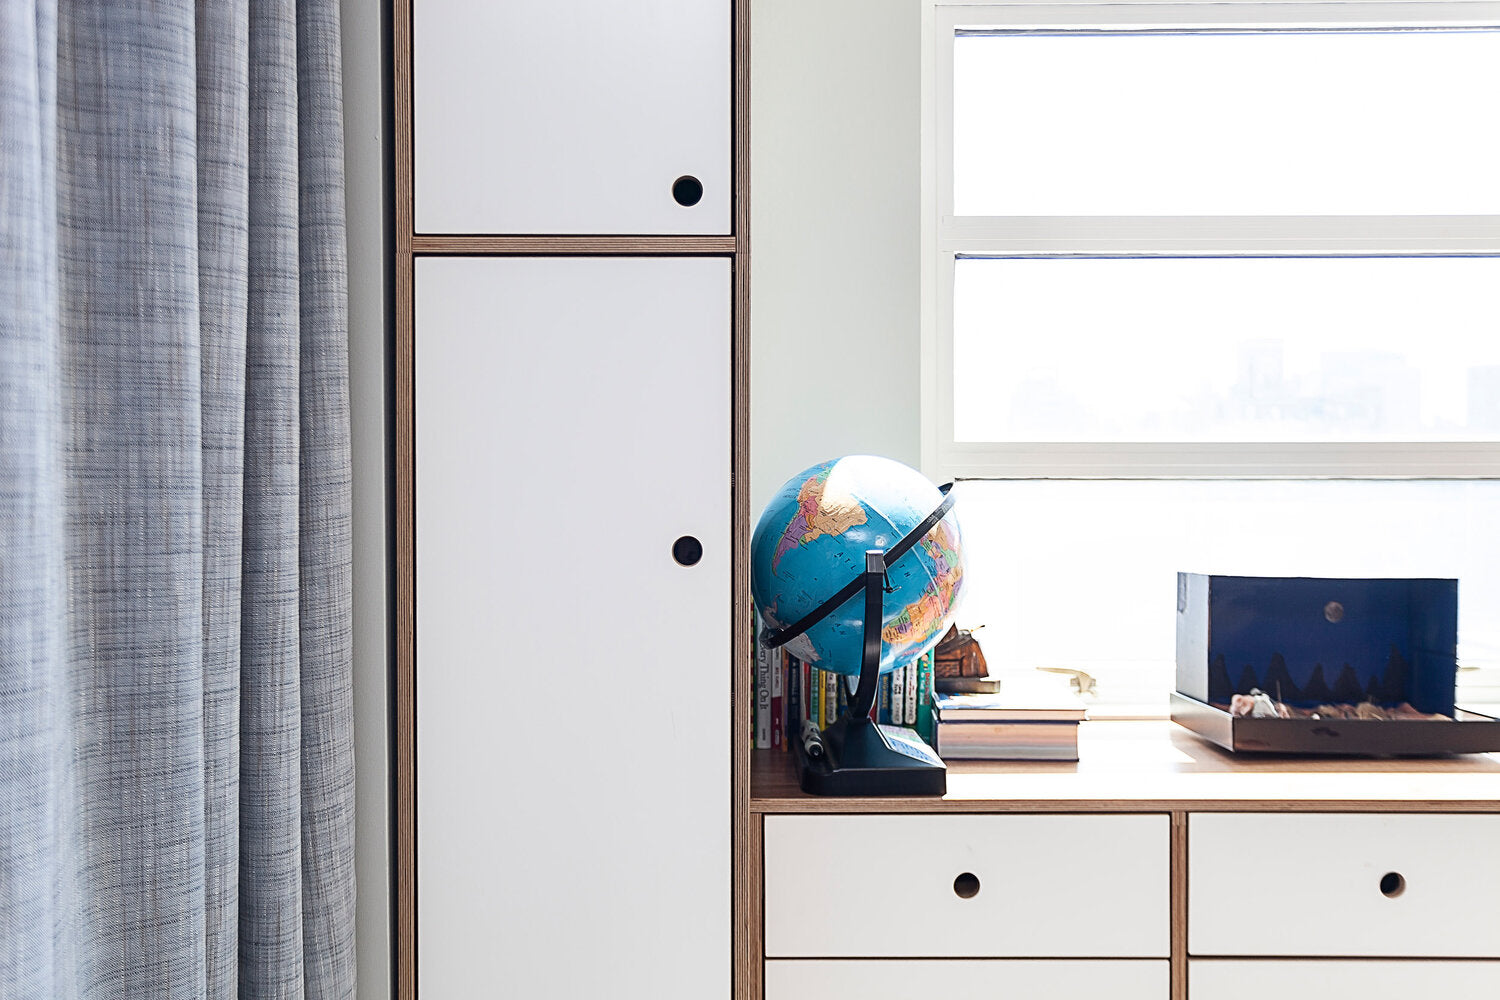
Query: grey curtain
x,y
176,767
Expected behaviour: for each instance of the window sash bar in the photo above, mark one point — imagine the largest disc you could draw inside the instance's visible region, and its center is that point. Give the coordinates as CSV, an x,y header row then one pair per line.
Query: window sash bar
x,y
1234,236
1036,16
1219,460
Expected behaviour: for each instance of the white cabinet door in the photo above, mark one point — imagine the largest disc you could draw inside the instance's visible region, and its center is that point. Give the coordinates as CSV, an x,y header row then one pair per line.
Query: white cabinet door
x,y
570,116
572,422
955,979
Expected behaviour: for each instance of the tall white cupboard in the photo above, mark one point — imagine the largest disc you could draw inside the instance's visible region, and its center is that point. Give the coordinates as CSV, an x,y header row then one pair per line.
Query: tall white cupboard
x,y
572,425
568,515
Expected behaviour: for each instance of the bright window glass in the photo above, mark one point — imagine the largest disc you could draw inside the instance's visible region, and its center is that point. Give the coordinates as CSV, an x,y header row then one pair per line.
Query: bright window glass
x,y
1257,123
1227,349
1083,574
1263,250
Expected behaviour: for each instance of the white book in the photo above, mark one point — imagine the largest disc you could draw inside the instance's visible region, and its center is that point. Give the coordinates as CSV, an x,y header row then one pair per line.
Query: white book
x,y
898,696
778,697
911,693
804,696
763,657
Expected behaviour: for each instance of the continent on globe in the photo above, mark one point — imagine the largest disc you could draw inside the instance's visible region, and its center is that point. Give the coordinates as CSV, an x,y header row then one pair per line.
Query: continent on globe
x,y
799,646
819,512
925,616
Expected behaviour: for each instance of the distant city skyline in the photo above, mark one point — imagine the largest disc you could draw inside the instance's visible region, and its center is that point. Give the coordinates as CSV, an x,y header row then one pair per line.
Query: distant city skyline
x,y
1361,349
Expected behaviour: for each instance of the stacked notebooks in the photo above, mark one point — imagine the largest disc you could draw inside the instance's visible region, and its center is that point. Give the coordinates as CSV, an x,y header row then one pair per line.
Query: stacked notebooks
x,y
1002,727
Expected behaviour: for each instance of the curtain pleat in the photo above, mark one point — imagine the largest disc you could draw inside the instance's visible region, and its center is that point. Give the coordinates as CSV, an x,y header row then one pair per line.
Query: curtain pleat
x,y
128,293
270,692
327,601
37,952
176,767
223,94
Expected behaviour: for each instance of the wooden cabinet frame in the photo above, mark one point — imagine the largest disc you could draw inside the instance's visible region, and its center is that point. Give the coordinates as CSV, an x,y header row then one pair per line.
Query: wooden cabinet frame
x,y
408,245
1185,775
774,790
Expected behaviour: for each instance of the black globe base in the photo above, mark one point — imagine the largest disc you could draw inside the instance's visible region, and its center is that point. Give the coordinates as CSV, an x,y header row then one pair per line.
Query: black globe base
x,y
860,759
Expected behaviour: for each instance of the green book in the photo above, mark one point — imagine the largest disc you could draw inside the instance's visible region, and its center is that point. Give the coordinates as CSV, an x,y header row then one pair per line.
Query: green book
x,y
924,698
815,697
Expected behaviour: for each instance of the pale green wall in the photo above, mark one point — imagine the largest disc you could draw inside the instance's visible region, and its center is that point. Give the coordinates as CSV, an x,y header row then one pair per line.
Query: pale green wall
x,y
835,186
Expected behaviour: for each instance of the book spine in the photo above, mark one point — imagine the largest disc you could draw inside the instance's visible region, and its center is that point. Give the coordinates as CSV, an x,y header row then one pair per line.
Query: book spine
x,y
778,697
883,700
898,695
793,700
754,667
910,713
815,691
830,697
806,695
924,698
843,700
762,697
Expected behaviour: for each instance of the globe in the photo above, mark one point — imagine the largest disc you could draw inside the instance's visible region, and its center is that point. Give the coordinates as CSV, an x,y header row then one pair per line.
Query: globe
x,y
811,541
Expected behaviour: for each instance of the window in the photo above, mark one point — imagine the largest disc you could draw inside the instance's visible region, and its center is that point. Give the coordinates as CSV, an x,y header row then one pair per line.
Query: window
x,y
1210,287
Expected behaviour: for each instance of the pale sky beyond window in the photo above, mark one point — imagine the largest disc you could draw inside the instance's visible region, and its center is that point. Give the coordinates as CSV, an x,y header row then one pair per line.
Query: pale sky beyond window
x,y
1296,123
1227,349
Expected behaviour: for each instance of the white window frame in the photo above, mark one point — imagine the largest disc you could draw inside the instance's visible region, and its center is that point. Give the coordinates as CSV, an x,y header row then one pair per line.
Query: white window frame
x,y
945,238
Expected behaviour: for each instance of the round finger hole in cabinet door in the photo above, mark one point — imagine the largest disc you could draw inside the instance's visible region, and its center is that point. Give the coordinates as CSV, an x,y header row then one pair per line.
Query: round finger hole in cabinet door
x,y
966,885
687,190
687,550
1392,884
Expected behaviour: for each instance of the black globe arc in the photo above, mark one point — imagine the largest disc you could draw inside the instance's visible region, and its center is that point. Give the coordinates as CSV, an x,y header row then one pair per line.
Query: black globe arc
x,y
784,635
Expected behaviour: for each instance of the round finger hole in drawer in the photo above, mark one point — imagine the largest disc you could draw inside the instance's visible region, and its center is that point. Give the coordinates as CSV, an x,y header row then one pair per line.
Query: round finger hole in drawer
x,y
966,885
687,550
1392,884
687,190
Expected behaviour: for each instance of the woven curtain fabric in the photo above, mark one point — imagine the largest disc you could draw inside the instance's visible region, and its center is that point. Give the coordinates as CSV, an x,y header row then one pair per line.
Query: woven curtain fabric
x,y
176,757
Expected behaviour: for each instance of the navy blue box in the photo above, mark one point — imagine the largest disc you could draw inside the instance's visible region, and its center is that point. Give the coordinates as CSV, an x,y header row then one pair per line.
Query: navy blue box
x,y
1311,641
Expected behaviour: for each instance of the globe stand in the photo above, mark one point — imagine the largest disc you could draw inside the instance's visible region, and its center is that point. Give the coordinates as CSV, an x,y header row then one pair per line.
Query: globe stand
x,y
859,757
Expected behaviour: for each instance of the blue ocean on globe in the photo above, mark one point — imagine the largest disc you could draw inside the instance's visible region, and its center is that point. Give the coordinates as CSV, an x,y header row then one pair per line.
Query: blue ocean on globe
x,y
811,541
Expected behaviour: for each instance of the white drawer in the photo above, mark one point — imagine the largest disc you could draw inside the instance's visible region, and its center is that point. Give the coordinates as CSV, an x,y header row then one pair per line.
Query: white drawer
x,y
1311,884
1220,979
1048,886
990,979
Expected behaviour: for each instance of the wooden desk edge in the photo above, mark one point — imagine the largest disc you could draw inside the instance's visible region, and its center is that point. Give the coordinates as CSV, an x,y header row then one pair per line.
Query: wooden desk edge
x,y
811,805
1163,768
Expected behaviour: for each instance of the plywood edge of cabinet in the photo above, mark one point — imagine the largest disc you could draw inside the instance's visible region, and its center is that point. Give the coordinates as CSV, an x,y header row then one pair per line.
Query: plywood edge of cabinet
x,y
593,246
403,515
748,957
405,708
1178,870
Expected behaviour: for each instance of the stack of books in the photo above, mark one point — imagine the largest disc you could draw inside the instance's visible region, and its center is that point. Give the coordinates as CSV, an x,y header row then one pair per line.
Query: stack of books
x,y
1003,727
787,691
